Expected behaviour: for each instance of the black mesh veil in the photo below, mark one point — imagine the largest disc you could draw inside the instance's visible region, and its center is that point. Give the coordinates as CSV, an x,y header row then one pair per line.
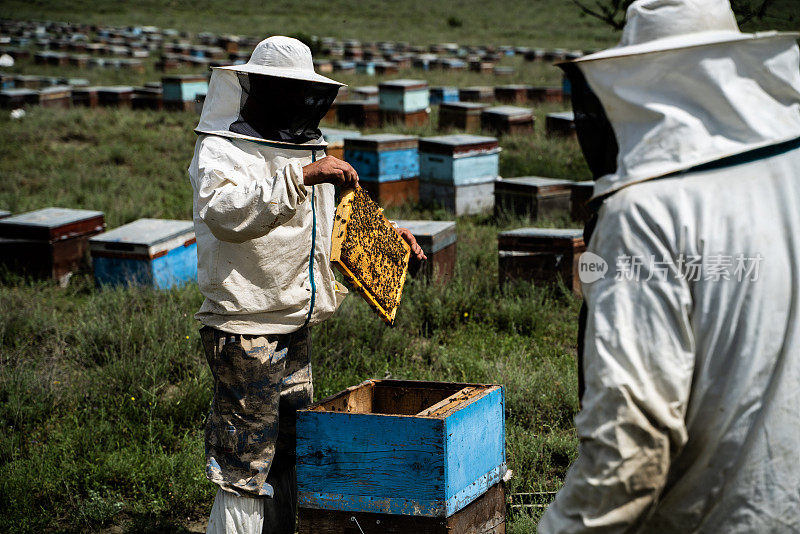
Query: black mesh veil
x,y
595,134
282,109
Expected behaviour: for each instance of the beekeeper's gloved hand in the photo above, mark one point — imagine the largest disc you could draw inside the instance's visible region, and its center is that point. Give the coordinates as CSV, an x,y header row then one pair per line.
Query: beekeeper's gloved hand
x,y
330,170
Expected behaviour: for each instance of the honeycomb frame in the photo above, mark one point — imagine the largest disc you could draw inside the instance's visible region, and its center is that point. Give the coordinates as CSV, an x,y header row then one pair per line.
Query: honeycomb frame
x,y
345,237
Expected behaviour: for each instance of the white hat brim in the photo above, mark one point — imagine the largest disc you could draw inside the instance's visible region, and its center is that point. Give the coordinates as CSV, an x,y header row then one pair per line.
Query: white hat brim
x,y
294,74
683,41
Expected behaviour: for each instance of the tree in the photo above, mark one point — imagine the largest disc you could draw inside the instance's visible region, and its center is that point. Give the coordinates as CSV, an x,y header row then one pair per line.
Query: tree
x,y
612,12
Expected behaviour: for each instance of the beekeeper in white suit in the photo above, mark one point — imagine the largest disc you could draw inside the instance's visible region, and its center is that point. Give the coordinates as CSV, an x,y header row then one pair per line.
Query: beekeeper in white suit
x,y
263,214
690,418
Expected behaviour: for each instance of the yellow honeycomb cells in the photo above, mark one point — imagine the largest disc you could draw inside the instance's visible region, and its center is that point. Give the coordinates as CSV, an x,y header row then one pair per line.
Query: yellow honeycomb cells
x,y
374,252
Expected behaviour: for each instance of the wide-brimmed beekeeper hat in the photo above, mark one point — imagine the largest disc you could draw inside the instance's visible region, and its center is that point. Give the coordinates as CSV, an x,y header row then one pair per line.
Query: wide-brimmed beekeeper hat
x,y
661,25
283,57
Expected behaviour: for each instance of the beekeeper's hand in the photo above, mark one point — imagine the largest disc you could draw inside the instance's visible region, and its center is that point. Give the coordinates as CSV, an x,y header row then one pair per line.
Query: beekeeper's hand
x,y
330,170
406,234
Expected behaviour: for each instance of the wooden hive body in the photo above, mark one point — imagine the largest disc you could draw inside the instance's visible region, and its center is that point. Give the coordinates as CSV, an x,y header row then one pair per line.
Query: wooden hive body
x,y
477,94
561,124
405,96
117,96
532,196
459,159
461,115
507,120
178,90
49,243
154,252
541,255
512,94
579,197
471,199
369,252
359,113
438,241
443,94
383,157
402,448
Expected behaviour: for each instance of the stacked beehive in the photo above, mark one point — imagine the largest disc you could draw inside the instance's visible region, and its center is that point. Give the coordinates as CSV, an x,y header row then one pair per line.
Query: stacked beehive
x,y
404,101
459,171
387,166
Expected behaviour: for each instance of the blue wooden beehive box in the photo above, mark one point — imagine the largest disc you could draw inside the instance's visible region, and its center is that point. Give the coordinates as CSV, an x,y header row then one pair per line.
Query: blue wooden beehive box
x,y
401,447
443,94
460,159
406,96
180,92
383,157
155,252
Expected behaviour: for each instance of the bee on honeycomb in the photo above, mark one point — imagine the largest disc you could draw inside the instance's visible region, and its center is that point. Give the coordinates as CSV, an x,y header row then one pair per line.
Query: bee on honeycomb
x,y
369,252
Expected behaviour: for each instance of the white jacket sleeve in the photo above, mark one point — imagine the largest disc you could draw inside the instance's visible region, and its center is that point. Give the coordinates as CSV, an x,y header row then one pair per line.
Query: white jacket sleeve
x,y
235,207
638,365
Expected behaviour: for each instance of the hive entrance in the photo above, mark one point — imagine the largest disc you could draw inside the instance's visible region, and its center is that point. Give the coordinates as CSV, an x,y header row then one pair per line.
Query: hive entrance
x,y
369,252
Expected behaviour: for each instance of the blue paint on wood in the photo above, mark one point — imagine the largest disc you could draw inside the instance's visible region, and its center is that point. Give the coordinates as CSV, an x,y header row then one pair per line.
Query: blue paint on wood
x,y
443,94
368,455
178,266
384,166
405,101
475,449
469,170
183,92
421,466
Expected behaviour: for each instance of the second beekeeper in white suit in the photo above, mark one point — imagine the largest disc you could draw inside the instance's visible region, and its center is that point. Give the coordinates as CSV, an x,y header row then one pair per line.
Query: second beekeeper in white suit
x,y
691,338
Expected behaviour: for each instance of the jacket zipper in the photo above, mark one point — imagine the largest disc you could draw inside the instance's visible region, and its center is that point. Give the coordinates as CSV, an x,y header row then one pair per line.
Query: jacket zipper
x,y
313,241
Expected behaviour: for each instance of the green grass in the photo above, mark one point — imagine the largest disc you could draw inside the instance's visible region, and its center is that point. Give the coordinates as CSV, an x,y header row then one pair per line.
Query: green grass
x,y
103,393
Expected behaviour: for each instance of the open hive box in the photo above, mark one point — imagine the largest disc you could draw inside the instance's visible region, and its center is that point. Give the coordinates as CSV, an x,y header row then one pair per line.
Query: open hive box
x,y
401,448
369,252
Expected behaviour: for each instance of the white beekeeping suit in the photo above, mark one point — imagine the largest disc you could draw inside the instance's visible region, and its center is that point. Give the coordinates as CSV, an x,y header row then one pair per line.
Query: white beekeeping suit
x,y
690,418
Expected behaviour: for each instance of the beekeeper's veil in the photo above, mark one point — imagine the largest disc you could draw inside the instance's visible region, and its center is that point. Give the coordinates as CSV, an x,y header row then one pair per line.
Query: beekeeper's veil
x,y
276,96
684,87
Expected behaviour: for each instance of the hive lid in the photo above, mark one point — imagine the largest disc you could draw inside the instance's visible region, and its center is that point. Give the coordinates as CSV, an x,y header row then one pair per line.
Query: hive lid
x,y
564,115
52,224
145,236
514,87
481,89
369,252
403,85
537,184
540,239
382,142
461,144
477,106
432,236
509,111
18,92
115,89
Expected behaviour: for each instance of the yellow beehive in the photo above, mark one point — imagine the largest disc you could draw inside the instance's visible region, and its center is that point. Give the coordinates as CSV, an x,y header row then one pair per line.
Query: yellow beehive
x,y
369,252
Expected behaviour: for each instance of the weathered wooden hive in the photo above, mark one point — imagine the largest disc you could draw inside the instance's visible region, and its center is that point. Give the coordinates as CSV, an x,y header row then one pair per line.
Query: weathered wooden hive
x,y
580,195
18,98
532,196
180,92
158,253
400,456
369,252
512,94
459,172
438,241
404,101
461,115
560,124
502,120
358,113
482,93
387,166
541,255
116,96
50,242
440,95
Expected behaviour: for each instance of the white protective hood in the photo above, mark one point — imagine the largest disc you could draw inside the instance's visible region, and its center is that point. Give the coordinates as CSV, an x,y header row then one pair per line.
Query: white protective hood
x,y
678,101
222,106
